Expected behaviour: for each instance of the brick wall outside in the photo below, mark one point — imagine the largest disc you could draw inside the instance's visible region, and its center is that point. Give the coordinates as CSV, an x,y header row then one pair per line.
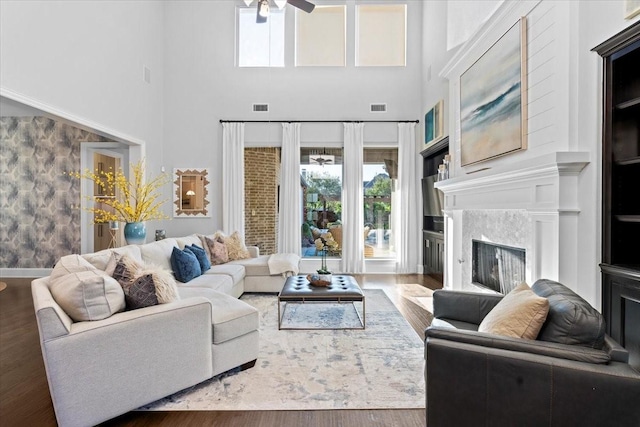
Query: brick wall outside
x,y
261,174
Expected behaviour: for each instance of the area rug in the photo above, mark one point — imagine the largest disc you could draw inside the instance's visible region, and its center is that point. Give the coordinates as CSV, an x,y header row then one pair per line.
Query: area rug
x,y
380,367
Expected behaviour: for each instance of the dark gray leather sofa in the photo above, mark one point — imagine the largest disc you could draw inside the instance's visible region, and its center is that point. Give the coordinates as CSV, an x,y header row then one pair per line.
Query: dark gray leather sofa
x,y
571,375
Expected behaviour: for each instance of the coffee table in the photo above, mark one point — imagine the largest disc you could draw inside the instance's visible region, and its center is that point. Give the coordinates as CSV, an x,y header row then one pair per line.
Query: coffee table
x,y
297,289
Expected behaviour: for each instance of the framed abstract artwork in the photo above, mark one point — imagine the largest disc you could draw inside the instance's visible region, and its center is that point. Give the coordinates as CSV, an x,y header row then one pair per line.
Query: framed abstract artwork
x,y
433,123
493,100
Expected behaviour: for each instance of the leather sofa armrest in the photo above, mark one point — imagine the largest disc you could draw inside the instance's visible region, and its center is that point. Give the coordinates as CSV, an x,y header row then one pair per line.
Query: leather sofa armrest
x,y
470,307
543,348
615,350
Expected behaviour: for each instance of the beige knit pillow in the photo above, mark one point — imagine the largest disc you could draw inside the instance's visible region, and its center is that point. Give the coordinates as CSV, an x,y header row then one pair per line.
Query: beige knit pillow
x,y
520,314
235,247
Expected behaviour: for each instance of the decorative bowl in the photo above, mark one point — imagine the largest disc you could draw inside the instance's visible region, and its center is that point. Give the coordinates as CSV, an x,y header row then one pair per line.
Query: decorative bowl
x,y
318,280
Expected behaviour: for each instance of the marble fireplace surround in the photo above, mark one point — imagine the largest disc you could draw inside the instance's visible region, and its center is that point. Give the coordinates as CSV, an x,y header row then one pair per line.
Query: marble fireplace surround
x,y
531,205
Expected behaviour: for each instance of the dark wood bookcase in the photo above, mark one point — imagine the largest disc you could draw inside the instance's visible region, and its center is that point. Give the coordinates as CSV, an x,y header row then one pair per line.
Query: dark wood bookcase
x,y
433,225
621,189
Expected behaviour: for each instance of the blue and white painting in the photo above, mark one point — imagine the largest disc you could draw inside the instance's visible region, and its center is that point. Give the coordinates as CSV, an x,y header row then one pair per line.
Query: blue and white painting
x,y
491,101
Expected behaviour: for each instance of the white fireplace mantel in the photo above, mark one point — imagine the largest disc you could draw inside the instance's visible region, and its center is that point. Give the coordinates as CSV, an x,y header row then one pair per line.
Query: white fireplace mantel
x,y
532,204
542,183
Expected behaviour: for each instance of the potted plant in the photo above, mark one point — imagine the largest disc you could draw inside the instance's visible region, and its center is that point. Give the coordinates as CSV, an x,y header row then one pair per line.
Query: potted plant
x,y
324,244
131,200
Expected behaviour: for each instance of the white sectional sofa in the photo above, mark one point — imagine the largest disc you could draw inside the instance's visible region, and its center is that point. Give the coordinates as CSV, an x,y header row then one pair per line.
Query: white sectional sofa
x,y
100,369
232,278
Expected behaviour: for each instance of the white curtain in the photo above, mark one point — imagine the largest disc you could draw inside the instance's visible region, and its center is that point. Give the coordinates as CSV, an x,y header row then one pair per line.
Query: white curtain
x,y
233,177
352,199
289,219
408,234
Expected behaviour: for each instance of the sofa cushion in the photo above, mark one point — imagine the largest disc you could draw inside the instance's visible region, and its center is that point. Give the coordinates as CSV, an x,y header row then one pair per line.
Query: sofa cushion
x,y
254,266
200,253
453,324
216,282
520,314
231,317
192,239
158,253
185,265
101,258
236,272
571,319
217,250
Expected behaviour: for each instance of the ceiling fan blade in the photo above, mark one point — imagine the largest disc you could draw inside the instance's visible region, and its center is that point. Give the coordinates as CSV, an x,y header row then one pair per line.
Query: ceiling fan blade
x,y
302,5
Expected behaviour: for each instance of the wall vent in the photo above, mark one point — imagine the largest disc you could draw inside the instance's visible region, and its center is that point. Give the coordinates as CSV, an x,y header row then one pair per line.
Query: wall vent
x,y
378,108
260,108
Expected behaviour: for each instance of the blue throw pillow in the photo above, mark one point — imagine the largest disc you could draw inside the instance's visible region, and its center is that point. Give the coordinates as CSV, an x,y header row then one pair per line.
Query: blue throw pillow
x,y
185,265
203,259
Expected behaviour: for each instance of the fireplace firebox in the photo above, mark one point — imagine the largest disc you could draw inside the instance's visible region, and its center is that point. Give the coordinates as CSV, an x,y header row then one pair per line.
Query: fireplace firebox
x,y
497,267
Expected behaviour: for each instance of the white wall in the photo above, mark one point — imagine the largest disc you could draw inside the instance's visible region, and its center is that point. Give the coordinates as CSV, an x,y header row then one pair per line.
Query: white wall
x,y
434,57
565,113
202,86
62,56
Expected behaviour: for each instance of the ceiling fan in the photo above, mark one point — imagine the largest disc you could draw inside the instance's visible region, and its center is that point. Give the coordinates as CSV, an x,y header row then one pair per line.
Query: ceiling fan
x,y
263,7
321,160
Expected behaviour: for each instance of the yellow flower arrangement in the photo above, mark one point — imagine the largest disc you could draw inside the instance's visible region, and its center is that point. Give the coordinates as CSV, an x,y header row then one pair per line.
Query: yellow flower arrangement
x,y
135,200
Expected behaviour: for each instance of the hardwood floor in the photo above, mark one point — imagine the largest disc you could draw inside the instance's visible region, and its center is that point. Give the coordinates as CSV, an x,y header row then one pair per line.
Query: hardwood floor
x,y
24,392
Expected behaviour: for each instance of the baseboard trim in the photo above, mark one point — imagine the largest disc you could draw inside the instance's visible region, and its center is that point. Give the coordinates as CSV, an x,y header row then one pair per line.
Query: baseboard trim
x,y
25,272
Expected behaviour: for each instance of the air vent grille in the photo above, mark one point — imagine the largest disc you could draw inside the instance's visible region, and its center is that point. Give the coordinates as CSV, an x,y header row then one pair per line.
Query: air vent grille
x,y
378,108
260,108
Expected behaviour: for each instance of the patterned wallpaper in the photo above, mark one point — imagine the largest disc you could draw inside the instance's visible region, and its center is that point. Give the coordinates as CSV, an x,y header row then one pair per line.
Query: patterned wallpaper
x,y
38,203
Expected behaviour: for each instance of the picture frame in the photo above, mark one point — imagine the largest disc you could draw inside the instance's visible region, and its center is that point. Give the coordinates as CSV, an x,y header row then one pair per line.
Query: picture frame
x,y
433,123
493,99
191,189
631,8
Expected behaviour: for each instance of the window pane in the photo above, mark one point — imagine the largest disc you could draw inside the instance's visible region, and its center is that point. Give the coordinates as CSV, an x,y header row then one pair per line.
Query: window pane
x,y
379,174
320,36
321,173
381,35
260,45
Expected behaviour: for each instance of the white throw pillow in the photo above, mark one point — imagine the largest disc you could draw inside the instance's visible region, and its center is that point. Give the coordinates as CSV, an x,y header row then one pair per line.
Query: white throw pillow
x,y
70,264
88,295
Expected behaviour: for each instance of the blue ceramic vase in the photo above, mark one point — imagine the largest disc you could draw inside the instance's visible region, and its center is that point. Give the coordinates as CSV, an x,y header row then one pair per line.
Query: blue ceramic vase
x,y
135,233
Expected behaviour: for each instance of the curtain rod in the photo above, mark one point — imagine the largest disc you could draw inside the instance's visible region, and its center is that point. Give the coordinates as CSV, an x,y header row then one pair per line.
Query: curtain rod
x,y
319,121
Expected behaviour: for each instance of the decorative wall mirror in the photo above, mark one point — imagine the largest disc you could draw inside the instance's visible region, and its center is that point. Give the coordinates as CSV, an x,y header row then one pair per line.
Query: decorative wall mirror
x,y
191,193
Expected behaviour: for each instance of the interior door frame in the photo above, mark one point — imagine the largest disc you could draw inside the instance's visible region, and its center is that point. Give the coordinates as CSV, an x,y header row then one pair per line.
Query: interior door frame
x,y
87,150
